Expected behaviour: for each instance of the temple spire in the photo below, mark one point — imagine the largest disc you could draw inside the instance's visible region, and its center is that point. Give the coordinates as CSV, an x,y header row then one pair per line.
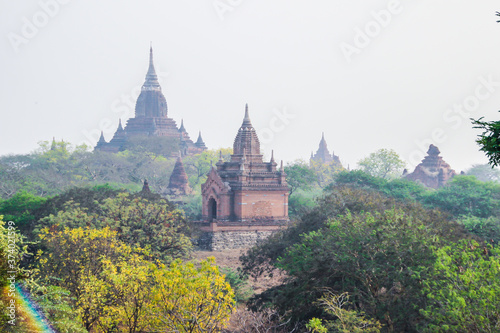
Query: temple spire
x,y
246,120
120,127
101,138
247,139
182,129
151,82
200,143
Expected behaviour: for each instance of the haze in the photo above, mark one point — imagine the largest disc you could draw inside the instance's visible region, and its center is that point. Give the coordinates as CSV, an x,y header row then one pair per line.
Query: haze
x,y
300,65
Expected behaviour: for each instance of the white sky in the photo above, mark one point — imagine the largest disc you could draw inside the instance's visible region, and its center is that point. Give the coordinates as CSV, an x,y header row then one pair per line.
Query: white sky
x,y
71,76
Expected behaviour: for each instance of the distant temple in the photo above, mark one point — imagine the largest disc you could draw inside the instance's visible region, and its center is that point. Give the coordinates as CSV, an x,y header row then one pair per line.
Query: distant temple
x,y
244,199
433,172
178,184
323,155
151,120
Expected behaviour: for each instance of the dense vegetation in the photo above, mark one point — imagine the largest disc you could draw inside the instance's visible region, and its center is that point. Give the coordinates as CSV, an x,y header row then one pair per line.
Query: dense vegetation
x,y
367,251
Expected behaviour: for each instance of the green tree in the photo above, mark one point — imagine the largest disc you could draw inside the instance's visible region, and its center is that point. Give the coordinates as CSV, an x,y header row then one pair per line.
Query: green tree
x,y
383,163
484,173
465,195
489,139
347,321
12,250
464,290
137,221
21,208
300,176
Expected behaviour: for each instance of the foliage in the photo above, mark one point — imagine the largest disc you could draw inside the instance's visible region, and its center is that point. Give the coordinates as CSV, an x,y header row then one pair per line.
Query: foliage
x,y
336,200
302,202
53,169
358,241
485,228
12,250
197,167
300,176
325,172
383,163
464,290
239,283
20,208
489,139
56,303
484,173
268,320
370,255
192,299
465,195
347,321
137,221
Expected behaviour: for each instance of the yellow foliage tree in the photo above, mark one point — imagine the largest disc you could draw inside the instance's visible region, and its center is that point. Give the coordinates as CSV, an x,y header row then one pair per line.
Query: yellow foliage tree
x,y
191,299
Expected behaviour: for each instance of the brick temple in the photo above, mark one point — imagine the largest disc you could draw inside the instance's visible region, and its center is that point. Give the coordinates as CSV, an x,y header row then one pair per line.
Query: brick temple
x,y
244,199
151,120
433,171
323,154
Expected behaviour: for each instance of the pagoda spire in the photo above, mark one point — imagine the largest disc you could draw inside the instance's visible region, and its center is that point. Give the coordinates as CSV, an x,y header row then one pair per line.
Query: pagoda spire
x,y
200,143
247,139
101,138
151,82
120,127
246,119
182,128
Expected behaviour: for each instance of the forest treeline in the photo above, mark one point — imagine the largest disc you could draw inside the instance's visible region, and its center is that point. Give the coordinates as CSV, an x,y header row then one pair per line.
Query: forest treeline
x,y
362,254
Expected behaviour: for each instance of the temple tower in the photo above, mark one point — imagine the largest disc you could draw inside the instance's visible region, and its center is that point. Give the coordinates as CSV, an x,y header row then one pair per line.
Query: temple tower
x,y
151,119
246,189
433,171
323,154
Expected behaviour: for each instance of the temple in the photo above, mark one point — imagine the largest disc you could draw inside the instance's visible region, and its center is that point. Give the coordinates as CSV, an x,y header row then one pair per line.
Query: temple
x,y
151,120
323,155
178,184
244,198
433,171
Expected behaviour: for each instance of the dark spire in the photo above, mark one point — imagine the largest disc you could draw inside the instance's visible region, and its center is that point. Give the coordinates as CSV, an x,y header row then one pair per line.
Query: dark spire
x,y
53,145
120,127
101,139
151,82
199,143
272,156
182,129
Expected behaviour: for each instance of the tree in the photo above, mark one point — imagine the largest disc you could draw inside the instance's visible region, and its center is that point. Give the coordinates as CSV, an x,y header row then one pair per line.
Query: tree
x,y
489,139
357,241
21,208
465,195
347,321
384,163
137,221
300,176
192,299
484,173
73,260
464,290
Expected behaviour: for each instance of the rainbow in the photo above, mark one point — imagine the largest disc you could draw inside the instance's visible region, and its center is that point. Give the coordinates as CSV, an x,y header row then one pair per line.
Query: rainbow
x,y
29,317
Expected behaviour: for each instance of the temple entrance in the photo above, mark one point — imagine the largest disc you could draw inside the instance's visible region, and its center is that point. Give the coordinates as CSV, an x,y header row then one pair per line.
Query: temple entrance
x,y
212,209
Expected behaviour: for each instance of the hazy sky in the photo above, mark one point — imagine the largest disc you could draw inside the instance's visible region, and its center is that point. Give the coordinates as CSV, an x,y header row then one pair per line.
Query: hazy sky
x,y
369,74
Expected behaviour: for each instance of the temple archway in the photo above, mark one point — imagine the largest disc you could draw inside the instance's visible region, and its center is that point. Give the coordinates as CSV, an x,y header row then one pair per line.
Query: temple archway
x,y
212,209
